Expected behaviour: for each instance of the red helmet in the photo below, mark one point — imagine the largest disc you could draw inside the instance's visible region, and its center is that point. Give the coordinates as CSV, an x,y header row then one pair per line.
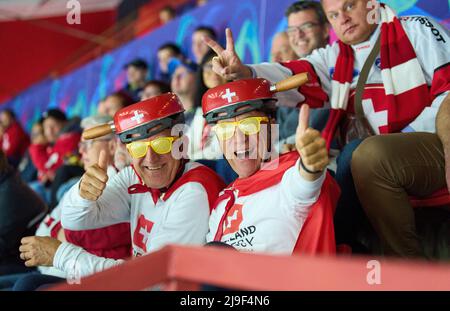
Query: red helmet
x,y
164,110
254,93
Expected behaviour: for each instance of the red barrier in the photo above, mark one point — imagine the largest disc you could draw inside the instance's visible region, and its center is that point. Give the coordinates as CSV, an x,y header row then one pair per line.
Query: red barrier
x,y
182,268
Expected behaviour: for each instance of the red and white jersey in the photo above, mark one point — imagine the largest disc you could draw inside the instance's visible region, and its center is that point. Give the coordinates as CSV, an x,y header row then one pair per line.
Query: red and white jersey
x,y
178,216
267,219
431,44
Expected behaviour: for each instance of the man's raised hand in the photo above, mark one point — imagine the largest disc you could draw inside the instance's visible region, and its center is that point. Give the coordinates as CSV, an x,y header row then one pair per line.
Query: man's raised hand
x,y
93,182
227,63
311,146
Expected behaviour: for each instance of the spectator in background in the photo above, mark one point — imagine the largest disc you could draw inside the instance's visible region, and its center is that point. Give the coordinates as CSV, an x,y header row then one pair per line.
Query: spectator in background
x,y
287,117
154,88
308,29
204,146
20,211
14,140
113,103
109,106
281,50
199,47
167,14
137,71
28,171
165,53
182,84
62,137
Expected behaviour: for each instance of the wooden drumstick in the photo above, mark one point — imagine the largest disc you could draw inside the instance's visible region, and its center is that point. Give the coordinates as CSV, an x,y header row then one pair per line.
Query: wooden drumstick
x,y
98,131
290,83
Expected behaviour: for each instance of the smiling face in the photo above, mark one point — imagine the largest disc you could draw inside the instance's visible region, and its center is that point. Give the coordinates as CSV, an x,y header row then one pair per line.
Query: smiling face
x,y
243,152
281,49
312,36
349,19
157,170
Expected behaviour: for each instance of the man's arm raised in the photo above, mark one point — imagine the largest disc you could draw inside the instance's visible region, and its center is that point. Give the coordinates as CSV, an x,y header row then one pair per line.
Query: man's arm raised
x,y
227,63
311,147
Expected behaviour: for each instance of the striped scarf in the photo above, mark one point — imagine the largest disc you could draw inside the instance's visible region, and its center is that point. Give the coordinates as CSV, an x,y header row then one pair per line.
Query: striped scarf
x,y
404,82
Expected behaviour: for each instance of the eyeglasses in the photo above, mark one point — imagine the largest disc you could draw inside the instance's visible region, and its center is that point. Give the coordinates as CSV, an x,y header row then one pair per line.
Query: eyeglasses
x,y
160,145
248,126
305,28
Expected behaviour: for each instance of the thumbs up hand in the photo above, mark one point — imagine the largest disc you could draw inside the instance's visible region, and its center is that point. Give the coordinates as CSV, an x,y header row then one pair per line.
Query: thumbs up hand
x,y
311,147
93,182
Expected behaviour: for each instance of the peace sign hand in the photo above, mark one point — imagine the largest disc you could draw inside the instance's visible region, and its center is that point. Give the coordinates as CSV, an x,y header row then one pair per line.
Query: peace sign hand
x,y
227,63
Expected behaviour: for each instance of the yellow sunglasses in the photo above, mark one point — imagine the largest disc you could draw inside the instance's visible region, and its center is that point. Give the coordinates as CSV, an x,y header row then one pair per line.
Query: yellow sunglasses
x,y
160,145
248,126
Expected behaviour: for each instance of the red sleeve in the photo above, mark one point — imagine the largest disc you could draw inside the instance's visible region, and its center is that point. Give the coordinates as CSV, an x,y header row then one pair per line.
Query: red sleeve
x,y
315,96
39,156
49,159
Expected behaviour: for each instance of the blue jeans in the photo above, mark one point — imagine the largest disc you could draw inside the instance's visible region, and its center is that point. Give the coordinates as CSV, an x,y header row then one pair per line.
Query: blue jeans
x,y
349,213
34,281
7,281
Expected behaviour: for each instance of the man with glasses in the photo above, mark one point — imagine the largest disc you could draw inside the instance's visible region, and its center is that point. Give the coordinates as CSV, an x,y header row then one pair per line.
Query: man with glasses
x,y
265,209
165,198
308,30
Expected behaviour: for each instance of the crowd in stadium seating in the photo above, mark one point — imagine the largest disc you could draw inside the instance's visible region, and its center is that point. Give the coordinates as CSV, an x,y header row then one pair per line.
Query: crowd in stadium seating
x,y
72,207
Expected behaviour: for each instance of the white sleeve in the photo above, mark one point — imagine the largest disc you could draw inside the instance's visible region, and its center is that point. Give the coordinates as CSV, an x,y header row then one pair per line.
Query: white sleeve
x,y
431,43
299,193
322,60
426,121
76,262
187,221
112,207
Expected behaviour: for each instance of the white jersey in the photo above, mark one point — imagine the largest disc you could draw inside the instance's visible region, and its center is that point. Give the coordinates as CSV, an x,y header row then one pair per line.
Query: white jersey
x,y
269,220
431,43
51,226
182,218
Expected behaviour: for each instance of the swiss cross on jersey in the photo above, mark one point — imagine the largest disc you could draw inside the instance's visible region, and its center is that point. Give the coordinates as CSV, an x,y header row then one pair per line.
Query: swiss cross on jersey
x,y
141,235
233,220
374,104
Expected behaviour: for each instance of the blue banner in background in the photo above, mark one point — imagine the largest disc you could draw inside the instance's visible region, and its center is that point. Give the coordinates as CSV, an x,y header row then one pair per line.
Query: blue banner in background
x,y
253,22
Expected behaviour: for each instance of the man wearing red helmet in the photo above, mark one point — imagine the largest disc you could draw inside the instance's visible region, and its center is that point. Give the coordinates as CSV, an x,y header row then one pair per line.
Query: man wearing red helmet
x,y
265,209
165,197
